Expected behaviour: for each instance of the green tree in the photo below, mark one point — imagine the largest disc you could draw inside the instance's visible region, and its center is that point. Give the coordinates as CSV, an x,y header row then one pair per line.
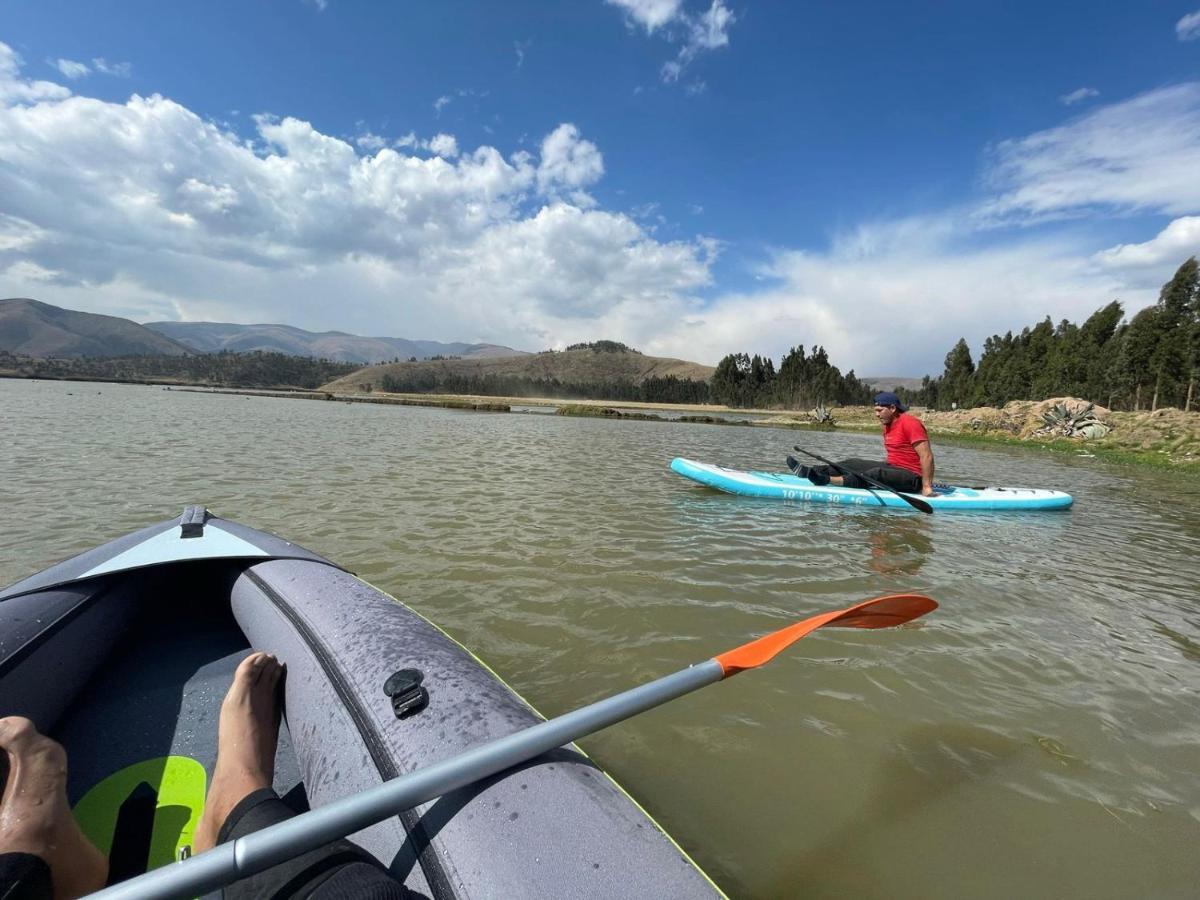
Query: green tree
x,y
956,380
1169,362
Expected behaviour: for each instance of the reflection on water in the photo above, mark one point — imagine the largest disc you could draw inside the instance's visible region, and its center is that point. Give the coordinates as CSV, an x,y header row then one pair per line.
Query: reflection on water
x,y
899,544
1035,736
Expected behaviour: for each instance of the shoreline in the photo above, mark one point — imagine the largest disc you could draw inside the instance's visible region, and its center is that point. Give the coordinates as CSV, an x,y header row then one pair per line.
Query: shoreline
x,y
1167,439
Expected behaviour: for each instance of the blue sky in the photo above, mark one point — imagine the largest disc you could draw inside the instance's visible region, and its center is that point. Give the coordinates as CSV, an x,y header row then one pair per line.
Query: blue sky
x,y
694,177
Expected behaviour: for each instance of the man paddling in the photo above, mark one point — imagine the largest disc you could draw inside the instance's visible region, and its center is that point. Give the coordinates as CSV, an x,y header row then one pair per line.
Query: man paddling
x,y
909,465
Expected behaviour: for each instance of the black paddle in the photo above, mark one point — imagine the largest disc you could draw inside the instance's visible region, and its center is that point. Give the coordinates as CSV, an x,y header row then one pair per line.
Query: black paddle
x,y
911,501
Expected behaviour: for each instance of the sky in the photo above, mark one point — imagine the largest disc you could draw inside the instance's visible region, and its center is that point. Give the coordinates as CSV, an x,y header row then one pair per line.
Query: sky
x,y
691,177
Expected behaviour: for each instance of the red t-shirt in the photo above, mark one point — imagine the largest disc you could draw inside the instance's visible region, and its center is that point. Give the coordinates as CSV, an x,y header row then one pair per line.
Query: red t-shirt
x,y
898,440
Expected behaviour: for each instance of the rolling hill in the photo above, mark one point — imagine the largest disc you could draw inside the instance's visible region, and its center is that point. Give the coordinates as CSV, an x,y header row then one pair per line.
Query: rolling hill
x,y
32,328
567,366
211,337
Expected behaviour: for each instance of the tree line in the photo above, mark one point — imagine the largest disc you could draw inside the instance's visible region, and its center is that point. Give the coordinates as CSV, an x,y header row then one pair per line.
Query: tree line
x,y
667,389
224,369
1150,361
801,382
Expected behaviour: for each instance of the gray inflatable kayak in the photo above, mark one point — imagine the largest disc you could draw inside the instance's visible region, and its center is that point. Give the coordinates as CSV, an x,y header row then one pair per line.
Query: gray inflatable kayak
x,y
124,654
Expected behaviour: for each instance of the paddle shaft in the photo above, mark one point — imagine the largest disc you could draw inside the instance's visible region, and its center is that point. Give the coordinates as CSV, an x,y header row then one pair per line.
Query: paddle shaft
x,y
263,849
911,501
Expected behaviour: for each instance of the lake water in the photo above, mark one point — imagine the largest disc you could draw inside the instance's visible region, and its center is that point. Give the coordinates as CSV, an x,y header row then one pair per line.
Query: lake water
x,y
1037,736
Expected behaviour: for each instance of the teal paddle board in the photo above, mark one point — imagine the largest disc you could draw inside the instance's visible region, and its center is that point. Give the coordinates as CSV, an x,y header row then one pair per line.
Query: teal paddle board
x,y
786,486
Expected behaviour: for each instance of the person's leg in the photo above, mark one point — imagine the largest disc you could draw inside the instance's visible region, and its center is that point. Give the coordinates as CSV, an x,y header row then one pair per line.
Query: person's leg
x,y
241,801
897,478
823,475
247,734
36,821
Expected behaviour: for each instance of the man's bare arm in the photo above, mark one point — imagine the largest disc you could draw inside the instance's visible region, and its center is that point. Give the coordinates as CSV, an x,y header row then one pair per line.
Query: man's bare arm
x,y
925,454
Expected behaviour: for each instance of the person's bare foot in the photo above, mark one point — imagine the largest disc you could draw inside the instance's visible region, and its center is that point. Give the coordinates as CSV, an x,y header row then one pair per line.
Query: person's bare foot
x,y
247,735
35,817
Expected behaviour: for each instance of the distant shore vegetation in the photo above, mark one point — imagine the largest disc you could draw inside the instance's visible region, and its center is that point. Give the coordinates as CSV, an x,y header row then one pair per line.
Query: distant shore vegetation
x,y
650,390
223,369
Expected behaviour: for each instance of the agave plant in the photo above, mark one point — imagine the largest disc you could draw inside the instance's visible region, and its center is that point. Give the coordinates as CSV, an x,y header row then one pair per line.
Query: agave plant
x,y
822,415
1081,423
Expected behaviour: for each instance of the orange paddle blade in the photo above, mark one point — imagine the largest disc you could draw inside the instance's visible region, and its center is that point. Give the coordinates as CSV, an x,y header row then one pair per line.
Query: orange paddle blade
x,y
882,612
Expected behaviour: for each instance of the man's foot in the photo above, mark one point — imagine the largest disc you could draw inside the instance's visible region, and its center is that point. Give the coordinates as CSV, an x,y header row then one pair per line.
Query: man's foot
x,y
247,735
810,472
35,817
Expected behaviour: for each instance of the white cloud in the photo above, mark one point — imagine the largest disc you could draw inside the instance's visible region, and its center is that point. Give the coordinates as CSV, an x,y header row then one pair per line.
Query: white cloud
x,y
444,145
520,47
370,141
1188,28
707,31
650,14
1171,246
71,69
1078,94
14,89
695,32
146,208
894,298
119,70
568,161
1141,154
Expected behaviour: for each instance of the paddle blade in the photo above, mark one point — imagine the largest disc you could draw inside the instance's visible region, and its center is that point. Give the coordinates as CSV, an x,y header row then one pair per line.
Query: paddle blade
x,y
882,612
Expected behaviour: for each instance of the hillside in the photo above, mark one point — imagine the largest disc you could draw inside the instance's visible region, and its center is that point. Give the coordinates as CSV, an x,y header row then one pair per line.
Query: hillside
x,y
568,367
32,328
892,382
340,346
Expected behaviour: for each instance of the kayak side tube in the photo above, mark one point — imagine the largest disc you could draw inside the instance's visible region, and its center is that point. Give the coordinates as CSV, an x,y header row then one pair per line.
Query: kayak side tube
x,y
555,826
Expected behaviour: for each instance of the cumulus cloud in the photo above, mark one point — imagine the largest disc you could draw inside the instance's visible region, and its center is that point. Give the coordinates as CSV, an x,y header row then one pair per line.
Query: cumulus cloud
x,y
1188,28
1075,96
650,14
1175,243
14,89
1141,154
71,69
894,297
146,208
694,32
368,140
444,145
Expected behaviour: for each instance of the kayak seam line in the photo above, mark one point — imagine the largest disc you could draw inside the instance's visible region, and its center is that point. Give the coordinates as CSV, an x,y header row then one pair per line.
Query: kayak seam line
x,y
35,642
376,746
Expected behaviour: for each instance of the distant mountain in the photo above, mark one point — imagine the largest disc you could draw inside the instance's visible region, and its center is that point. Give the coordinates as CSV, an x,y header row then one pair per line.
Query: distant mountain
x,y
566,366
891,382
32,328
335,345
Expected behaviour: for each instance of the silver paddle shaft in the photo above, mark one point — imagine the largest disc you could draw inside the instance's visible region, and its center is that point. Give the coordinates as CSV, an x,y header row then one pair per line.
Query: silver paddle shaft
x,y
262,849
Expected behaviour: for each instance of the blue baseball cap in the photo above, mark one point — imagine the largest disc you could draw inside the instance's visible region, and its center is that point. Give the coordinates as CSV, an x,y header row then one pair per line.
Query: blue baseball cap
x,y
888,398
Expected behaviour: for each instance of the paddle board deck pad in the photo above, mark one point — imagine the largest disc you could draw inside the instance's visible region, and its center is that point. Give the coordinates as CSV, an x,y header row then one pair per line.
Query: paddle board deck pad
x,y
786,486
124,653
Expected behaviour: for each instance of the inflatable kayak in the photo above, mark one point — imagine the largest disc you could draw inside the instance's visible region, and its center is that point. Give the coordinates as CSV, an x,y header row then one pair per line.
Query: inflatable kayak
x,y
124,653
781,486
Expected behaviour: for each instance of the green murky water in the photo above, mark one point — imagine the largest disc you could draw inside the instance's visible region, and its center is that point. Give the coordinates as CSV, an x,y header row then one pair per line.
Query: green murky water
x,y
1037,736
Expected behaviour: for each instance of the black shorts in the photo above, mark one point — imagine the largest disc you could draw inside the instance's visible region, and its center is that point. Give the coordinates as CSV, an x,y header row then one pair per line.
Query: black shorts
x,y
337,871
